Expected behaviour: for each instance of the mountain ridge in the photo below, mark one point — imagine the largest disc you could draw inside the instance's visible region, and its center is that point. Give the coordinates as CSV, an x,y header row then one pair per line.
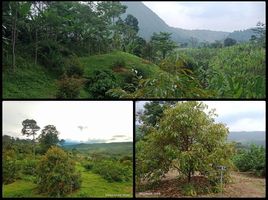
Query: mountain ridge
x,y
150,22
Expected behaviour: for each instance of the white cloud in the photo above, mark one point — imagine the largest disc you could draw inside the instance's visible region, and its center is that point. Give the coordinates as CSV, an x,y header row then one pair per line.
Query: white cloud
x,y
223,16
103,119
237,115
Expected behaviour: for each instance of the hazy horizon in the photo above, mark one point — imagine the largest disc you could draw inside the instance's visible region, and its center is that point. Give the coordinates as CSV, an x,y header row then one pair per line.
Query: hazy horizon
x,y
81,121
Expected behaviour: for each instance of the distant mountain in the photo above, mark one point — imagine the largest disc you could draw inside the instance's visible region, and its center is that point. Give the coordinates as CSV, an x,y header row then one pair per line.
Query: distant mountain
x,y
242,35
247,137
149,22
123,148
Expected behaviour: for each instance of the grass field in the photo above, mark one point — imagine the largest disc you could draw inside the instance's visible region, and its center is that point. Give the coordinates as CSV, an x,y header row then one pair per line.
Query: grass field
x,y
93,185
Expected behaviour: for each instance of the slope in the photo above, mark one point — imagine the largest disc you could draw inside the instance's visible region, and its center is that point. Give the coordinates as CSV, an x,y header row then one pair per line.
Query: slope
x,y
149,22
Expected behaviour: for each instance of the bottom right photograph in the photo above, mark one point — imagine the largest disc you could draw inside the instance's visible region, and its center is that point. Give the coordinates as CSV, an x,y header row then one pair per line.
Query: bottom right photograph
x,y
200,149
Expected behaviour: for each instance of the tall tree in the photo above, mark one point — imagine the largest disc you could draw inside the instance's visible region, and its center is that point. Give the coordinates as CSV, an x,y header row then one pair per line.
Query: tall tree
x,y
162,42
30,128
48,137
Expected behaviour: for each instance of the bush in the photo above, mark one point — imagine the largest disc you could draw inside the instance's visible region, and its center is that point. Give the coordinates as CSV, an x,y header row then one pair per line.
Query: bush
x,y
51,56
29,166
56,173
88,166
252,160
69,87
10,168
112,171
73,67
100,82
188,190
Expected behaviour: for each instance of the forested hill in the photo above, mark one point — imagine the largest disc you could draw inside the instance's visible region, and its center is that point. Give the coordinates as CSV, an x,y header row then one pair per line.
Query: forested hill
x,y
247,137
124,148
149,22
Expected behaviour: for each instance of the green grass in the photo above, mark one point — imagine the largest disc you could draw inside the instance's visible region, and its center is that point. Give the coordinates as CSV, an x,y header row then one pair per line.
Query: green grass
x,y
28,81
20,188
93,185
105,61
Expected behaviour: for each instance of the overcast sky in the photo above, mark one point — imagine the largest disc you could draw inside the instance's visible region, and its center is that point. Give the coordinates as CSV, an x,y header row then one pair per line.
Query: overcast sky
x,y
220,16
237,115
93,121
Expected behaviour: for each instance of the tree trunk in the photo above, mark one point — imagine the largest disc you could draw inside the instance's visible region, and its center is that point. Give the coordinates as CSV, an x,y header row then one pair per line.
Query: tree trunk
x,y
14,39
35,58
189,176
33,147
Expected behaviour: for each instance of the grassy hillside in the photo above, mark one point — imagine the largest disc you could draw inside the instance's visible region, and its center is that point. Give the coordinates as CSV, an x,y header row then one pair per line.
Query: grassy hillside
x,y
30,81
123,148
107,61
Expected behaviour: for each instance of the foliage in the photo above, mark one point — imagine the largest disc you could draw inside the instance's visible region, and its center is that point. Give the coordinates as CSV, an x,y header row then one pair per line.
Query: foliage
x,y
28,166
100,82
162,42
73,67
188,190
10,169
188,140
238,72
69,87
112,171
229,42
56,174
252,159
48,137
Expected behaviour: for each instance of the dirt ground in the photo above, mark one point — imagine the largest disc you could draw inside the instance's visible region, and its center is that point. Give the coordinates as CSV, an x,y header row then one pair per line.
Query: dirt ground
x,y
243,185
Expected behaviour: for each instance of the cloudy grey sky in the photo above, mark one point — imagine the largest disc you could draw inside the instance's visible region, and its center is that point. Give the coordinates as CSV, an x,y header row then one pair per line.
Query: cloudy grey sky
x,y
220,16
237,115
93,121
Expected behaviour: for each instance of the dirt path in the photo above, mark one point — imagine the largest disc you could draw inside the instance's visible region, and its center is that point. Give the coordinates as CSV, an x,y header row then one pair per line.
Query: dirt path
x,y
243,185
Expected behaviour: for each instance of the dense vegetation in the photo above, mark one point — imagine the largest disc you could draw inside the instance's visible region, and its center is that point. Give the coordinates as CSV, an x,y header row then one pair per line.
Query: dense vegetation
x,y
43,167
86,50
181,137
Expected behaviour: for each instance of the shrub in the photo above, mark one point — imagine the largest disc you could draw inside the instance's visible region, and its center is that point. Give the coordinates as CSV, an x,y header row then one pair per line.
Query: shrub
x,y
56,173
69,87
88,166
73,67
112,171
29,166
188,190
100,82
252,160
10,168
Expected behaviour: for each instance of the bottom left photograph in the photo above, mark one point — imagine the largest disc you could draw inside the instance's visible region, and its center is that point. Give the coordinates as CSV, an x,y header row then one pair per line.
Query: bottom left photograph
x,y
67,149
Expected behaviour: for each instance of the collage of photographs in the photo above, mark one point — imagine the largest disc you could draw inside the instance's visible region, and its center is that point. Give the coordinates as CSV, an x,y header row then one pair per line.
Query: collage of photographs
x,y
134,99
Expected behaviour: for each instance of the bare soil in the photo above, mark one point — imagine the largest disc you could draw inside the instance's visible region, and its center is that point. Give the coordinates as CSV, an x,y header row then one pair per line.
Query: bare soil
x,y
242,185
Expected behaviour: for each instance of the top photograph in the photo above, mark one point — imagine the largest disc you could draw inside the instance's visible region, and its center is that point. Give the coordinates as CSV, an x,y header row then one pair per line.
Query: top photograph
x,y
133,50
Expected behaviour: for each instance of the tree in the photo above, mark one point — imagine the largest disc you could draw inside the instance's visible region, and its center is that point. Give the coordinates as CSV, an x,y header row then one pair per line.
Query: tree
x,y
189,140
132,22
162,42
260,33
56,173
29,129
229,42
48,137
